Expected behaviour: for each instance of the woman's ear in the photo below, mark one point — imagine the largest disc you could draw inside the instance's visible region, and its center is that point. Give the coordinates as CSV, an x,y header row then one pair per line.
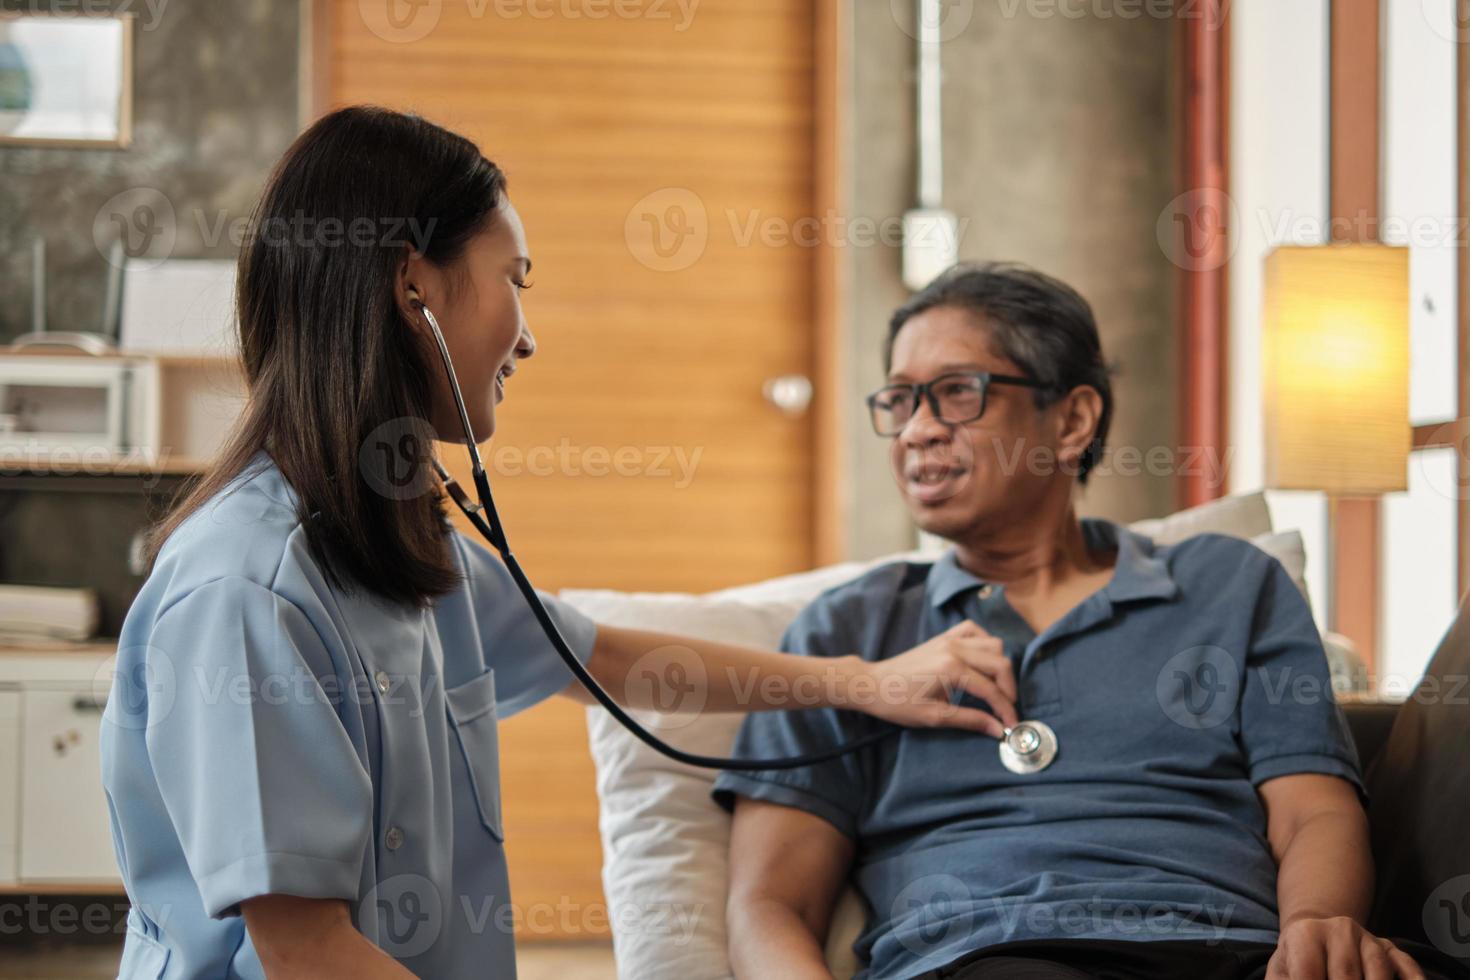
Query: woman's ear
x,y
406,294
1079,413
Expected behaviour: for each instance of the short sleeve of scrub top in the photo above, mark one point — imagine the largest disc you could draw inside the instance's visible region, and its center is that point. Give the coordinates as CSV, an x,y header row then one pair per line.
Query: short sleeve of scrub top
x,y
508,629
265,790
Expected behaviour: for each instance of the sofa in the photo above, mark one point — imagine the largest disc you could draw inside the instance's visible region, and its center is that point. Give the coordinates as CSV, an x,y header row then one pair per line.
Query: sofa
x,y
665,842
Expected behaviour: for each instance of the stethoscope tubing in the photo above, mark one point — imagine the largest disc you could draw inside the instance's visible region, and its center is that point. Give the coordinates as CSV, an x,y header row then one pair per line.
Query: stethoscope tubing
x,y
484,518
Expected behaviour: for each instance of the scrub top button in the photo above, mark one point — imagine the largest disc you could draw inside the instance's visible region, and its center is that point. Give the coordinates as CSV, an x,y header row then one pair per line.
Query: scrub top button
x,y
393,839
985,591
382,679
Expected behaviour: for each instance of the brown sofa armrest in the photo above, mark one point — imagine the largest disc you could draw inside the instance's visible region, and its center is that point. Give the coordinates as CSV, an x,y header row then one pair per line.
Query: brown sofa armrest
x,y
1370,722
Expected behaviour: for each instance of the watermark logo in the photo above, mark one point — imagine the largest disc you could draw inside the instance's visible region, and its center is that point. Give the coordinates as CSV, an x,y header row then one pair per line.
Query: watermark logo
x,y
394,458
1448,19
1451,482
69,917
147,13
1446,917
1212,12
400,21
1109,917
676,463
933,910
1194,229
143,220
673,681
939,471
948,21
409,913
1198,687
667,230
405,21
138,685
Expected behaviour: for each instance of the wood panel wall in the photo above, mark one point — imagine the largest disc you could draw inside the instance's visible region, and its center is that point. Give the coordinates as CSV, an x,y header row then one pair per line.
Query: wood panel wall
x,y
611,128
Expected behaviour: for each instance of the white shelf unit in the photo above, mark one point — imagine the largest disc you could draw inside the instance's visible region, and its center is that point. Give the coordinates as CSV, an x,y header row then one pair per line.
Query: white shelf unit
x,y
114,414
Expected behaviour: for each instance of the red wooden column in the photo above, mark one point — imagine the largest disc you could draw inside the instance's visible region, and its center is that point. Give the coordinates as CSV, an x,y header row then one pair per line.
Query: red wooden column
x,y
1203,340
1355,171
1462,70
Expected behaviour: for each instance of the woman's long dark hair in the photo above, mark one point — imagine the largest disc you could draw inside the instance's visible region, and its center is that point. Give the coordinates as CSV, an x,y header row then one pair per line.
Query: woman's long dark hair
x,y
327,354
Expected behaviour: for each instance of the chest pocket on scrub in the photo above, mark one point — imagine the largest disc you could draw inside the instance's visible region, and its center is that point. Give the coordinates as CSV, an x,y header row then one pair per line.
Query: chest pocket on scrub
x,y
472,715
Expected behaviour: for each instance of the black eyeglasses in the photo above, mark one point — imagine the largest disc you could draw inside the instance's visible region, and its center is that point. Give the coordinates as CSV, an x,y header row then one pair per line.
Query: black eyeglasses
x,y
953,398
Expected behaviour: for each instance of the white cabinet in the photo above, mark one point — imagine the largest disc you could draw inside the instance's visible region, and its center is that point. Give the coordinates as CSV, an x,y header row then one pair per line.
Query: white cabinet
x,y
54,826
9,784
64,831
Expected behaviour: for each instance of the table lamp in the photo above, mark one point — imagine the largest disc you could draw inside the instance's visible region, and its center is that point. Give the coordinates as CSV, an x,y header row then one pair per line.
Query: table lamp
x,y
1336,345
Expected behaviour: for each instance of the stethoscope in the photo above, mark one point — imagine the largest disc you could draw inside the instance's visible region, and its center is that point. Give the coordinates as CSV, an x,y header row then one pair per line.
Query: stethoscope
x,y
1027,747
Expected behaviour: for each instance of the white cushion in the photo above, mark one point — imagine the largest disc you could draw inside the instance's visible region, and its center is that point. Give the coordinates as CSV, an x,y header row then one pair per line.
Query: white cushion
x,y
1243,516
665,841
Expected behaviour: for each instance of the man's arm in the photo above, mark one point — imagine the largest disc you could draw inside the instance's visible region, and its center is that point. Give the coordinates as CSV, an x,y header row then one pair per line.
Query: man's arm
x,y
311,938
1324,883
791,869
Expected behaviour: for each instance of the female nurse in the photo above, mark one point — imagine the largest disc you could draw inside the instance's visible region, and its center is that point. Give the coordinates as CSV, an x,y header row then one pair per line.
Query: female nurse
x,y
300,750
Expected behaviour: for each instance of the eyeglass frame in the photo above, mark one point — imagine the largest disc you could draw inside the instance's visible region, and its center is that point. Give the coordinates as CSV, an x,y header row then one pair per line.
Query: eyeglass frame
x,y
925,390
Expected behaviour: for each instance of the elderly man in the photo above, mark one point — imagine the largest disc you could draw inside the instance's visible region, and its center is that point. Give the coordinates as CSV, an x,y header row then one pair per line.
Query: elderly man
x,y
1188,806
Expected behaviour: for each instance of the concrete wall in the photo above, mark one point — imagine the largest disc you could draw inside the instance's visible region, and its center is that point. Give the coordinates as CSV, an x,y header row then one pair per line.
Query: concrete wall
x,y
214,106
1059,152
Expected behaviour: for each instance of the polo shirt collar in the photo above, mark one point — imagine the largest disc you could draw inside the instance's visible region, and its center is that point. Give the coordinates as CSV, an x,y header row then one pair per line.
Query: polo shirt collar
x,y
1138,574
947,580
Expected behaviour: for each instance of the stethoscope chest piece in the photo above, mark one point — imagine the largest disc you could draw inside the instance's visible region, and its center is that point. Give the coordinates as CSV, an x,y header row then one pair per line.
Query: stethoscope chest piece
x,y
1028,747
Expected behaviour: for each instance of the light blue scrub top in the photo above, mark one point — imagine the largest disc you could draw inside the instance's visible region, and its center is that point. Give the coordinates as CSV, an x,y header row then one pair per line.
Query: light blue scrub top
x,y
267,733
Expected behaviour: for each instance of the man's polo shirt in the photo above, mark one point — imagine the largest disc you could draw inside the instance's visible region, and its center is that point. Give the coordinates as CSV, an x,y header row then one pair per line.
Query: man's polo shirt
x,y
1192,677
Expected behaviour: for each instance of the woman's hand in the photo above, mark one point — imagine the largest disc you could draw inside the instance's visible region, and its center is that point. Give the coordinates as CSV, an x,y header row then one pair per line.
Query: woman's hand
x,y
1315,948
683,674
915,688
314,938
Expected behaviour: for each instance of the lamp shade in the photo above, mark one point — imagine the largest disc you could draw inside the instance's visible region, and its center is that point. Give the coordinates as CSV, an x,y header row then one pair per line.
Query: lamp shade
x,y
1336,345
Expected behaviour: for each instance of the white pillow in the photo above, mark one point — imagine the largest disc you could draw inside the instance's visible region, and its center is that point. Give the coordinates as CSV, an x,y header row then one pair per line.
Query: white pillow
x,y
665,842
1243,516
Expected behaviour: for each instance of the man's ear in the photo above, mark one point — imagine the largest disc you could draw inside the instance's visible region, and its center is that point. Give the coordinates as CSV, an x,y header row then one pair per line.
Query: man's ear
x,y
1078,414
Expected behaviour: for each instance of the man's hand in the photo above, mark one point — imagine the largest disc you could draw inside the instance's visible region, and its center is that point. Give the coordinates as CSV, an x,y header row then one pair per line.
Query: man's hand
x,y
1318,834
1333,947
914,688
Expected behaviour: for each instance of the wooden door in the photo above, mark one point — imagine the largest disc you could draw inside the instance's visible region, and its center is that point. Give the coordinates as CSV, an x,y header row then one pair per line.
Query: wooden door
x,y
661,164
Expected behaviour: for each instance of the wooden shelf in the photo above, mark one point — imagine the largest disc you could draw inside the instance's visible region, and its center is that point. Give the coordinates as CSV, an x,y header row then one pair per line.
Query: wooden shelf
x,y
118,466
101,646
163,357
187,404
64,888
